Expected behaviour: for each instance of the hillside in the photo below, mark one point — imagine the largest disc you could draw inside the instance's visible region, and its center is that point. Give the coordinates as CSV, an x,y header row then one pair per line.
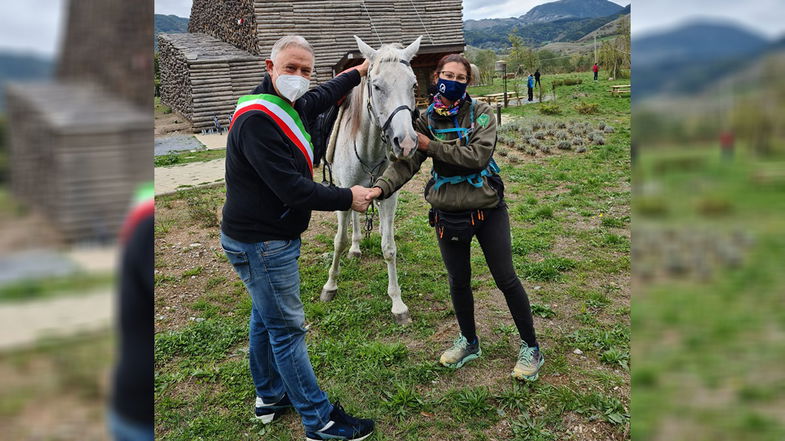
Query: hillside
x,y
562,9
566,27
168,24
696,55
22,67
608,29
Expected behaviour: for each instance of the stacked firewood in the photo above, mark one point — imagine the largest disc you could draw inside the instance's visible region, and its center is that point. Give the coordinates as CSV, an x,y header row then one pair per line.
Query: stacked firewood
x,y
202,77
78,152
231,21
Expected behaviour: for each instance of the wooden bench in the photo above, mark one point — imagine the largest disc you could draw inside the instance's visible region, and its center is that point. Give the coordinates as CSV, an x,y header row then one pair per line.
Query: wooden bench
x,y
493,98
619,89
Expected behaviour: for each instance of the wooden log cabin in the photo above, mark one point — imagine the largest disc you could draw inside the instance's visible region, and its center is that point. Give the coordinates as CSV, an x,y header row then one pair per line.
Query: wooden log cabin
x,y
253,26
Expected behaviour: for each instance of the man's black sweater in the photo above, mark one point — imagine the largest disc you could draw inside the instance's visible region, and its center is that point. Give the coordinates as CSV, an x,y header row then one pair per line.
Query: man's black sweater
x,y
270,190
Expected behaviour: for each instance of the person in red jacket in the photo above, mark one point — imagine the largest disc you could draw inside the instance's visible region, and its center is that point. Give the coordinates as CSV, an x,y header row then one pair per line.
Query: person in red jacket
x,y
595,69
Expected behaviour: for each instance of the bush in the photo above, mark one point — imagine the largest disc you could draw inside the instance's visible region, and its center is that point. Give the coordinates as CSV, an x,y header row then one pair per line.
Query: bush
x,y
609,129
577,141
167,159
550,109
562,134
564,145
599,140
587,108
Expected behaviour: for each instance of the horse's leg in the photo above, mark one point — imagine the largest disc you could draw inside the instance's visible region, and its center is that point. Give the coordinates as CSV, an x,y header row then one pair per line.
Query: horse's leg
x,y
357,235
339,245
386,217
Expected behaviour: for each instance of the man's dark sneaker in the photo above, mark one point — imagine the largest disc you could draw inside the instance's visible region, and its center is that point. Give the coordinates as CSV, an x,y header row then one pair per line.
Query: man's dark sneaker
x,y
268,412
342,426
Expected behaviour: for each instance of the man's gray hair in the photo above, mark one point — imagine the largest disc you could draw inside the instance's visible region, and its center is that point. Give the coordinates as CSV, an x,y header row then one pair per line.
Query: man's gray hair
x,y
288,41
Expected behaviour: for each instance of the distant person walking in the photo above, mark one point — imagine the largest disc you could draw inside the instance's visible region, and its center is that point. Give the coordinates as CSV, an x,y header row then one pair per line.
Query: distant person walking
x,y
726,144
530,85
537,77
595,69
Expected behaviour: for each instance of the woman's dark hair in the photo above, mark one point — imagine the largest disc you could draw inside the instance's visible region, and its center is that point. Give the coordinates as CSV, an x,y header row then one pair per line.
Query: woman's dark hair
x,y
454,58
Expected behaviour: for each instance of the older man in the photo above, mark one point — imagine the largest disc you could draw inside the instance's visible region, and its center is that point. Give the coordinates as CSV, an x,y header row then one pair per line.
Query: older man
x,y
269,197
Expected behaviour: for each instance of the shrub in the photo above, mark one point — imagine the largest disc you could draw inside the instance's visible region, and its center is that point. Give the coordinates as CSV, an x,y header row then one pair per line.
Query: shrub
x,y
564,145
609,129
587,108
599,140
577,141
601,126
550,109
562,134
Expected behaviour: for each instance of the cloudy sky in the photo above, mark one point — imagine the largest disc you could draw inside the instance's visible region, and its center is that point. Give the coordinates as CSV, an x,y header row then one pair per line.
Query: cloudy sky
x,y
765,16
34,25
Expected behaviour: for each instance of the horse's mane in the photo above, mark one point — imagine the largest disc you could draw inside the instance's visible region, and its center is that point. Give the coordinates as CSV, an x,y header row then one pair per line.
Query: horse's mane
x,y
355,103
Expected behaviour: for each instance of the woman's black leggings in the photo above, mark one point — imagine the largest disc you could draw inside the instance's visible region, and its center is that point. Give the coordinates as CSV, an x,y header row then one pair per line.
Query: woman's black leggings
x,y
493,234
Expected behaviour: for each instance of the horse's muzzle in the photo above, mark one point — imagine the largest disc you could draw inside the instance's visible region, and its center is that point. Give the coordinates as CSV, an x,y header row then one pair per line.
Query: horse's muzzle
x,y
406,148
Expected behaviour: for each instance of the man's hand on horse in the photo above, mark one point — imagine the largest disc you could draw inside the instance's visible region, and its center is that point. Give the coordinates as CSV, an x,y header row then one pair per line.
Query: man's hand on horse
x,y
422,142
360,201
373,194
363,68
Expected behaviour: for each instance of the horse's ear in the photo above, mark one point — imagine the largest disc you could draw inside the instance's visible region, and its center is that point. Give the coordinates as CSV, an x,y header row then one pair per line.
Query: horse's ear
x,y
368,52
411,51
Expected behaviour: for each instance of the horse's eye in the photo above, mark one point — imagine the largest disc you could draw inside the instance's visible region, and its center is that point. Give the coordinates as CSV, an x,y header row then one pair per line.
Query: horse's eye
x,y
376,87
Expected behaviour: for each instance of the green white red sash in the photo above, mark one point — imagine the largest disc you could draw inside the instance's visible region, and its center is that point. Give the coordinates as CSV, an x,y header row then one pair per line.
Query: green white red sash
x,y
284,115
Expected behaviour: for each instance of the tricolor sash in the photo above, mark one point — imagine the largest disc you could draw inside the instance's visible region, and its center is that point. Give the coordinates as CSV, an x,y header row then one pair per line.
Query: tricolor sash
x,y
284,115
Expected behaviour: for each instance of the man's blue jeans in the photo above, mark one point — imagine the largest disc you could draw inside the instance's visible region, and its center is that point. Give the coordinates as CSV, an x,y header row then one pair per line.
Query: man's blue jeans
x,y
278,355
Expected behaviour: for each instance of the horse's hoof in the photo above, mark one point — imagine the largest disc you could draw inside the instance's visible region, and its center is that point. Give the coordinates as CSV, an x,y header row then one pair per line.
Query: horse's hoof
x,y
355,254
402,318
328,294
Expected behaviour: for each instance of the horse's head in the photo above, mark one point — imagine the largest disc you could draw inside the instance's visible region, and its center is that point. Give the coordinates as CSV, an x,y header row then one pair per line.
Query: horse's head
x,y
391,84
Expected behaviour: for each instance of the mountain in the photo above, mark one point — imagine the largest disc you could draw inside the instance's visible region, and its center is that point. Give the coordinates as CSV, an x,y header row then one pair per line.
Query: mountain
x,y
562,9
686,59
168,24
536,34
16,66
549,12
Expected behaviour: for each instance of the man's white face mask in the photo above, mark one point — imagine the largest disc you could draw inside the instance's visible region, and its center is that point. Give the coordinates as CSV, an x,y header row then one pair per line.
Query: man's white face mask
x,y
292,87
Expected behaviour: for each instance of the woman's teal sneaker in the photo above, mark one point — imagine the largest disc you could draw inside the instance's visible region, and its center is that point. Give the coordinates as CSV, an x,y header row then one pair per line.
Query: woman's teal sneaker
x,y
529,362
460,352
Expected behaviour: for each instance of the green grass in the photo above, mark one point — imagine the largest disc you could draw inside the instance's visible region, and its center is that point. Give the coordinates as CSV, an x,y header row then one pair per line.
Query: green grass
x,y
179,158
32,289
390,373
710,339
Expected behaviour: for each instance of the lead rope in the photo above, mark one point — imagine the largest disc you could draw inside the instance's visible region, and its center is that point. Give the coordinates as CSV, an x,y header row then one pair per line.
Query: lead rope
x,y
373,174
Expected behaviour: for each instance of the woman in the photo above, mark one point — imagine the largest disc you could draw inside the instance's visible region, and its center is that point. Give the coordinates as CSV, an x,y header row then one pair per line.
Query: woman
x,y
467,199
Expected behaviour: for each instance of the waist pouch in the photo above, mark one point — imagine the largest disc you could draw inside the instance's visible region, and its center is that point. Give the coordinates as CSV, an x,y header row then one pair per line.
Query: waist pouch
x,y
455,226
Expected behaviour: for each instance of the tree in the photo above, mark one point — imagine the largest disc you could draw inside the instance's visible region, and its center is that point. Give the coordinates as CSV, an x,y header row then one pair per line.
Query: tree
x,y
615,55
521,57
485,61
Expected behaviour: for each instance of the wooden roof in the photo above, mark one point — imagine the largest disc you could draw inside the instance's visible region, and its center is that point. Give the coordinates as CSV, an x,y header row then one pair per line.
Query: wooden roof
x,y
202,48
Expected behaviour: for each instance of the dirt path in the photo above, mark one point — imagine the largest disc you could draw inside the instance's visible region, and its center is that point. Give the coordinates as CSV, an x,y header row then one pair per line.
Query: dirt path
x,y
24,323
194,174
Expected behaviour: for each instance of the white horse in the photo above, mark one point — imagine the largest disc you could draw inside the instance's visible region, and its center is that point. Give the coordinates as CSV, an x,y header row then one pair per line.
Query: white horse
x,y
364,143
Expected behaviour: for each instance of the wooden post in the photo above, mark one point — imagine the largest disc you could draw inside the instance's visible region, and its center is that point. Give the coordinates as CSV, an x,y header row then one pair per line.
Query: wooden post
x,y
505,85
498,114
